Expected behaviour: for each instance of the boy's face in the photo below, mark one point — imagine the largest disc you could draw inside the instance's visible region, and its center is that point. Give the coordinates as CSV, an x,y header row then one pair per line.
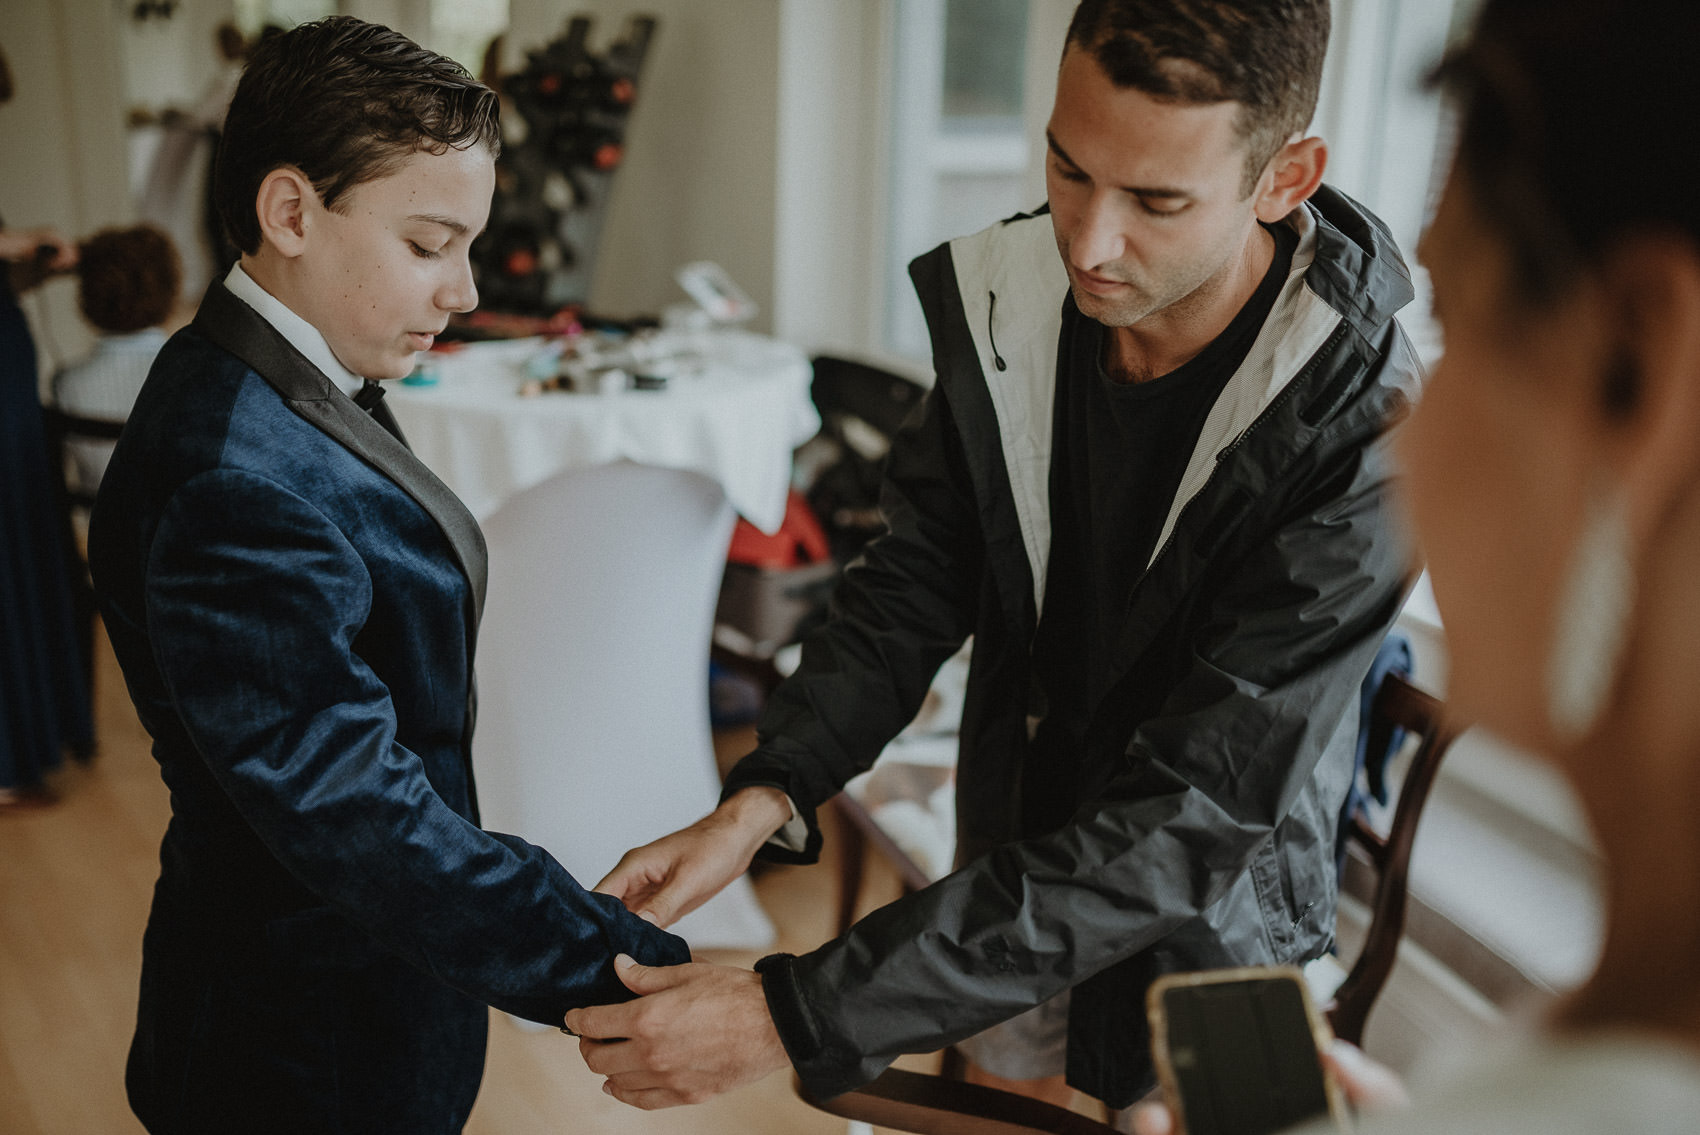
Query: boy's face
x,y
384,271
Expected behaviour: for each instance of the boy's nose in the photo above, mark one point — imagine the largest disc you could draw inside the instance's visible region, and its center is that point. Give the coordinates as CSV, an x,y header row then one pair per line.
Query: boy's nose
x,y
461,293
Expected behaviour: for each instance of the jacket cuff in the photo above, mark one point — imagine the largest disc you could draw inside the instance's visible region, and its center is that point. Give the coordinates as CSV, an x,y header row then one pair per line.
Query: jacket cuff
x,y
763,770
820,1073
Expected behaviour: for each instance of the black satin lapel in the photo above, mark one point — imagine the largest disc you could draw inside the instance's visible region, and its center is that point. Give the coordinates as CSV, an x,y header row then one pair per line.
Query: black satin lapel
x,y
238,328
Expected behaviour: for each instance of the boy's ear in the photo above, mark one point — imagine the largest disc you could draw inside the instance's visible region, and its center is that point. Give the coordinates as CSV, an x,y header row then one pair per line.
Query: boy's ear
x,y
283,202
1293,175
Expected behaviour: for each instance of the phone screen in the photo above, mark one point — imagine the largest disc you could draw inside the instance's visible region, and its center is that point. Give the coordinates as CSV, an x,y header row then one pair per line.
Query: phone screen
x,y
1241,1054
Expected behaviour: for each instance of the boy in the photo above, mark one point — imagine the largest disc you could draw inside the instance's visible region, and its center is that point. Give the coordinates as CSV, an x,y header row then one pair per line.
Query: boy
x,y
294,600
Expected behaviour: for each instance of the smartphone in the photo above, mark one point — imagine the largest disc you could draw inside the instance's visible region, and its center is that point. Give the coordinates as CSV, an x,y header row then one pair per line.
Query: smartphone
x,y
1236,1051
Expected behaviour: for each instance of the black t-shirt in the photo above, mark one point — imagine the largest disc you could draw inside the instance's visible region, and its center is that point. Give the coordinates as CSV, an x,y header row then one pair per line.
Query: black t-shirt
x,y
1118,453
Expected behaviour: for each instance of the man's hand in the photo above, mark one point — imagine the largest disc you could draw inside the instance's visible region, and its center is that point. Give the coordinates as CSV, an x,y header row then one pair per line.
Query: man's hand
x,y
1368,1086
696,1030
666,880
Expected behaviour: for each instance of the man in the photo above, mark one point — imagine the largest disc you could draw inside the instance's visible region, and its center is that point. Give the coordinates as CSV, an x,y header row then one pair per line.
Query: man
x,y
1151,483
294,600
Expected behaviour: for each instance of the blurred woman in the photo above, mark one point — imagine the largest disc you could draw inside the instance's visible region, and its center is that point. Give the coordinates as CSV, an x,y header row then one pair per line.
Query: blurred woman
x,y
43,701
1554,479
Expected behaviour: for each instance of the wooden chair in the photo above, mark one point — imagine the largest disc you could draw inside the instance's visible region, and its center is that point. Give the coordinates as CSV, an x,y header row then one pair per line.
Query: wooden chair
x,y
61,429
1398,705
940,1105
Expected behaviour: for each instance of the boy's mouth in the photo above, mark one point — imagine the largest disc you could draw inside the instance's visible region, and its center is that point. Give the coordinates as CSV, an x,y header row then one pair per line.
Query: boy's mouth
x,y
421,340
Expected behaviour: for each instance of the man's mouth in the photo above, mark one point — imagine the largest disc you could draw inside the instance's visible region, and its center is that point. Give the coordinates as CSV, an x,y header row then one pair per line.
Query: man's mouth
x,y
1095,284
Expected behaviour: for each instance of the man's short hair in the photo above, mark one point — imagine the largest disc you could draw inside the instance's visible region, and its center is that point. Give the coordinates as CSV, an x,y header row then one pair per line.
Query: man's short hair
x,y
1265,55
127,278
345,102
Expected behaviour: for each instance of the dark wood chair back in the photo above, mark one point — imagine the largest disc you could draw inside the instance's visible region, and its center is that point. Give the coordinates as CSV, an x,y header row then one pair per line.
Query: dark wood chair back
x,y
1397,705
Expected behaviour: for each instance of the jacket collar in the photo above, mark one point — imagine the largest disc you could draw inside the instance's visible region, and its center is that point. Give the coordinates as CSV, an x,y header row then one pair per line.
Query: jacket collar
x,y
1346,281
240,330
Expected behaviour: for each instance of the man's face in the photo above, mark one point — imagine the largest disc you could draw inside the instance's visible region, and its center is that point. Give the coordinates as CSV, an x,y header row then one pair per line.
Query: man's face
x,y
385,270
1146,196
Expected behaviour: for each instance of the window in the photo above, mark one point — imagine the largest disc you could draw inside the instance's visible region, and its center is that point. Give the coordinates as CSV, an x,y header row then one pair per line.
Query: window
x,y
959,146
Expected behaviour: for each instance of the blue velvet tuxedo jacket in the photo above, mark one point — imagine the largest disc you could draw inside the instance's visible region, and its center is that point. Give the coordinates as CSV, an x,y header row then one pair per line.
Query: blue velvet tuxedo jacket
x,y
294,599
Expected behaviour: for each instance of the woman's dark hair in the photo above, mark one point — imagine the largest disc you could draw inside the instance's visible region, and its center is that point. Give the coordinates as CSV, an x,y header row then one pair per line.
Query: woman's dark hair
x,y
1265,55
1573,127
345,102
127,278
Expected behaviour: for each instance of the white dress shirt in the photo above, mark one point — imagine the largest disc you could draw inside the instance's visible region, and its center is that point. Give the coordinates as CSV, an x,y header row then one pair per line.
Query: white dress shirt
x,y
303,336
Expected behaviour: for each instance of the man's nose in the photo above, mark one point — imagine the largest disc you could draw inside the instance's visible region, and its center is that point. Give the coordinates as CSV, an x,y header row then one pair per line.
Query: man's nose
x,y
1098,237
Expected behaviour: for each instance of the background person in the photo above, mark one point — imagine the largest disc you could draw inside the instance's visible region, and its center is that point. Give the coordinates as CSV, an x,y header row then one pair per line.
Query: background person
x,y
43,699
1554,481
127,284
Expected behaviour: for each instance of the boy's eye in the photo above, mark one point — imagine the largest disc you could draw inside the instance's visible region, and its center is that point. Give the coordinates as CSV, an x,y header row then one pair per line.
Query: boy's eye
x,y
420,251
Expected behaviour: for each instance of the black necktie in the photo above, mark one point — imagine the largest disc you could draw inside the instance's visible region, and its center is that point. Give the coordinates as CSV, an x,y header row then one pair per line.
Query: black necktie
x,y
370,398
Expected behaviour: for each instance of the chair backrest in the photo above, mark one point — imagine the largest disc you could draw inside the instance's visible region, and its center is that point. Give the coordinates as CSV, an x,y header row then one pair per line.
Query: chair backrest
x,y
931,1105
1397,705
60,429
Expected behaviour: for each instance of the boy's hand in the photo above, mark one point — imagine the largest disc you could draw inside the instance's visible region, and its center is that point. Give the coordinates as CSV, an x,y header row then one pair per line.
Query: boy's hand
x,y
694,1032
666,880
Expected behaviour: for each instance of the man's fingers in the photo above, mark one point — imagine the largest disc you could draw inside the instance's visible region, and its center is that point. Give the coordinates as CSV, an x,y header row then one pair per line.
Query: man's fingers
x,y
649,1099
1367,1084
644,979
1152,1119
611,1057
601,1022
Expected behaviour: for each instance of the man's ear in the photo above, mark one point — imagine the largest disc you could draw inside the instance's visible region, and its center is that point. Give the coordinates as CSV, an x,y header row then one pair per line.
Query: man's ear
x,y
1293,175
283,203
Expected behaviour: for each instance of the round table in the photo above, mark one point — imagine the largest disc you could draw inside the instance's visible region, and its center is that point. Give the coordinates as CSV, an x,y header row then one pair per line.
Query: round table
x,y
608,517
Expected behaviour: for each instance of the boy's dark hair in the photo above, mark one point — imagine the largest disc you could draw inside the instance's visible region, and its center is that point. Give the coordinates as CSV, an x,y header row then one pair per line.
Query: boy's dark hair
x,y
1567,135
1265,55
345,102
127,278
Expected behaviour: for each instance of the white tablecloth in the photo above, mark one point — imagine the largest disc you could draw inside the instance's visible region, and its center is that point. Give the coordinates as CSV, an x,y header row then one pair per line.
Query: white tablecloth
x,y
608,517
735,422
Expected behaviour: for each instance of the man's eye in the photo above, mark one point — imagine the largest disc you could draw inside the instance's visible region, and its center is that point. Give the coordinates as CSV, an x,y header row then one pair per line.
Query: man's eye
x,y
1162,207
1066,172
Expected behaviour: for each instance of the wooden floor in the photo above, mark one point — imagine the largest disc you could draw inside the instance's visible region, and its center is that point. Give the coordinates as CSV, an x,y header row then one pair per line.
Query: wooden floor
x,y
75,881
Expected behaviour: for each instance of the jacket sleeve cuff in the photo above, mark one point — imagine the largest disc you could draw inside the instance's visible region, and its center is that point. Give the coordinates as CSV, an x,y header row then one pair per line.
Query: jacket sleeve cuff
x,y
823,1070
762,770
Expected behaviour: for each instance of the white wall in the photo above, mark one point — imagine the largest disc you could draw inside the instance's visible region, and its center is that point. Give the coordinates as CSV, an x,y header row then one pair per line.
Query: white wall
x,y
63,138
832,105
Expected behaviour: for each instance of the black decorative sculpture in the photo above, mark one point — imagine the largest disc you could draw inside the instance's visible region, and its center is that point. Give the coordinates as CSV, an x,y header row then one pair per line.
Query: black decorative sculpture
x,y
564,127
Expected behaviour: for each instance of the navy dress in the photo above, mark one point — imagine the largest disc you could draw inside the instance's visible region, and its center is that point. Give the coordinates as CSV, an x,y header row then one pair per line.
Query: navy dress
x,y
44,704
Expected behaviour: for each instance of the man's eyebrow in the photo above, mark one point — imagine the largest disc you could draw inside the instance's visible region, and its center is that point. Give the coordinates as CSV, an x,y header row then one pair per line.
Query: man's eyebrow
x,y
449,223
1156,192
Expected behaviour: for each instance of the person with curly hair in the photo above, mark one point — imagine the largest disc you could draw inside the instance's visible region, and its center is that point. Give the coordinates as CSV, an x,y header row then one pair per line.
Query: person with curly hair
x,y
128,286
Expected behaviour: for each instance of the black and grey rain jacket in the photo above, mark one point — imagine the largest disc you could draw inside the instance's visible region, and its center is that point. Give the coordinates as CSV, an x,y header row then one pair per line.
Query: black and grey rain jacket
x,y
1209,840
